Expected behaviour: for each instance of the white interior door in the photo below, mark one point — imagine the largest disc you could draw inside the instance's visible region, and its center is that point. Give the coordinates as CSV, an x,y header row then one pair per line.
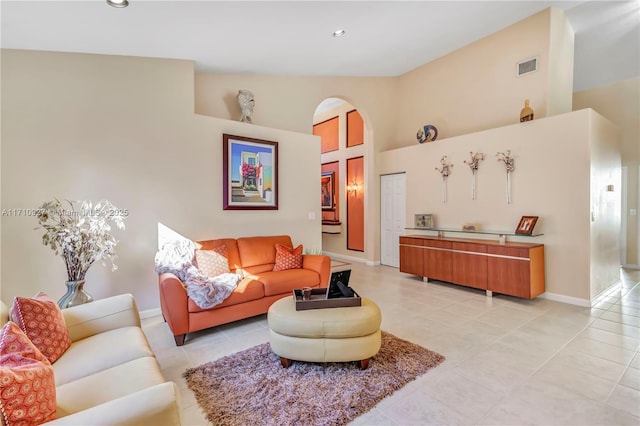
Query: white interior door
x,y
392,217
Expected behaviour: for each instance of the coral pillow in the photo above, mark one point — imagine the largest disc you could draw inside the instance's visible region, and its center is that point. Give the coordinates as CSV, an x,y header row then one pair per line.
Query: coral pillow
x,y
27,384
213,262
41,320
287,258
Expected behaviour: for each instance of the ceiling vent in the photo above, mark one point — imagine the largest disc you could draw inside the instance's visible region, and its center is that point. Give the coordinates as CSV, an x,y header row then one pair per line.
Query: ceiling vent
x,y
527,67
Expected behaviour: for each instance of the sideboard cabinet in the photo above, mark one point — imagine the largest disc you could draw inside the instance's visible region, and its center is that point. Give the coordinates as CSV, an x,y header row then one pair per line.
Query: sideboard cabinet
x,y
515,269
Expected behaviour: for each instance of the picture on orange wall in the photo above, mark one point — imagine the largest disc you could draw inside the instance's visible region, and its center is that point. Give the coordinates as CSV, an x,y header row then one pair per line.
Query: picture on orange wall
x,y
250,173
327,187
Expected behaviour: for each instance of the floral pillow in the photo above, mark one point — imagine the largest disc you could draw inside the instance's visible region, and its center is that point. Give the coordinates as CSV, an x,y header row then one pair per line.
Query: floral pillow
x,y
28,388
41,320
287,258
212,262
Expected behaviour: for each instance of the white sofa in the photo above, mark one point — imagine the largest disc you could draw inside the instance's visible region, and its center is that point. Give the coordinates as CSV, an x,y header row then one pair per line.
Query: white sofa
x,y
109,375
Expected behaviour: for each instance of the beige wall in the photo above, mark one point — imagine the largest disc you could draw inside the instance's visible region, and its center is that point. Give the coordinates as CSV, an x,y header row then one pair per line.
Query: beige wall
x,y
476,87
551,180
605,156
560,81
122,128
620,103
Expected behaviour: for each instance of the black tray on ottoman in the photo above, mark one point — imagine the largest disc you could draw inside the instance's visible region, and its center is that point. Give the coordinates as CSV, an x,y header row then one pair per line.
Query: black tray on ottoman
x,y
319,300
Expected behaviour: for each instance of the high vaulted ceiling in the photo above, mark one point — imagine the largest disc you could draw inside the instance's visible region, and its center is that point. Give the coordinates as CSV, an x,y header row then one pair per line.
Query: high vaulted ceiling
x,y
383,38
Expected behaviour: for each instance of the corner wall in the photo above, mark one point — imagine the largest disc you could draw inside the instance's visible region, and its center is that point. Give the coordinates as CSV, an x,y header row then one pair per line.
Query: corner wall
x,y
605,203
620,103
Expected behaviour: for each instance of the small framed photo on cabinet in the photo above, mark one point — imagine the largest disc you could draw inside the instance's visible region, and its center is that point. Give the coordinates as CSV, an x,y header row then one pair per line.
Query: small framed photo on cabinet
x,y
423,221
526,224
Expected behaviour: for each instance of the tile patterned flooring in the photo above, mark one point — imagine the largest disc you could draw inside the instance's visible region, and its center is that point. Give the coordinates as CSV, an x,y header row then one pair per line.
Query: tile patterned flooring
x,y
509,361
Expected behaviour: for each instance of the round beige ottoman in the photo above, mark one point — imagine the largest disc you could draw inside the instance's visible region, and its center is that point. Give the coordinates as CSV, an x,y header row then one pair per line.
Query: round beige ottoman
x,y
324,335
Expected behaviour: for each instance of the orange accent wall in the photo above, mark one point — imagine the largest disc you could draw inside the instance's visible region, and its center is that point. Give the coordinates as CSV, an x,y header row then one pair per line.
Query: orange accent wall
x,y
355,129
355,204
333,167
329,134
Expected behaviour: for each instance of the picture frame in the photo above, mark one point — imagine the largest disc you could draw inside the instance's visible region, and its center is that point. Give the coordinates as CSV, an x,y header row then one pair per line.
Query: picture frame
x,y
327,190
526,224
423,221
249,173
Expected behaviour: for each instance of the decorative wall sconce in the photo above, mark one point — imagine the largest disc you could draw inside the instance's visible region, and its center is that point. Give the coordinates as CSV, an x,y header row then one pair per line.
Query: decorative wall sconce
x,y
445,171
473,164
510,166
352,188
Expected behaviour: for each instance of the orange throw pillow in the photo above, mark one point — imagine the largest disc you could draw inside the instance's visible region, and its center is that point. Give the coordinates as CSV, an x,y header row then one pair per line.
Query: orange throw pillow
x,y
27,385
213,262
41,320
287,258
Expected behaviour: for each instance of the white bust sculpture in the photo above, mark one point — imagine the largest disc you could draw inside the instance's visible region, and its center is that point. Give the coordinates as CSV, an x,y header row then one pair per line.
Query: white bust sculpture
x,y
245,99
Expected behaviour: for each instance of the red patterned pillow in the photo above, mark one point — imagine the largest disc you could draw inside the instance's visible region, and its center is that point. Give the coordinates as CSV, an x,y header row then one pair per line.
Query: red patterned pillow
x,y
213,262
287,258
42,321
27,385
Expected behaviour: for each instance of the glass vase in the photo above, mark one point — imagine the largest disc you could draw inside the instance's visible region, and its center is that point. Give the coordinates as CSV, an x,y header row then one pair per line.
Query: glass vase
x,y
75,295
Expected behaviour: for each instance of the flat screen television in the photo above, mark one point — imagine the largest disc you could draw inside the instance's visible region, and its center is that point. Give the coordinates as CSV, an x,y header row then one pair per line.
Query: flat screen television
x,y
339,285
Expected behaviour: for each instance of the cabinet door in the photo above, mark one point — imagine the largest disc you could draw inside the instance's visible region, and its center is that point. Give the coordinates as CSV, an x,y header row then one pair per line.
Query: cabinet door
x,y
470,269
411,257
509,271
437,260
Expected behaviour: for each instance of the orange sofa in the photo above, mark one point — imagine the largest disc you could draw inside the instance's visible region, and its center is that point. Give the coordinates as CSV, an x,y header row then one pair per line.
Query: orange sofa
x,y
254,258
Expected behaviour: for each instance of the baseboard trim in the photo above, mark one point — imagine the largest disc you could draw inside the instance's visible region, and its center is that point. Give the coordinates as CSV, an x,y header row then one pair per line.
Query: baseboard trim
x,y
148,313
635,267
586,303
344,257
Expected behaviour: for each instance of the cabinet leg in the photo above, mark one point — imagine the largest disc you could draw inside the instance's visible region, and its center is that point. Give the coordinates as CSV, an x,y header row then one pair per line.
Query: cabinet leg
x,y
489,293
425,279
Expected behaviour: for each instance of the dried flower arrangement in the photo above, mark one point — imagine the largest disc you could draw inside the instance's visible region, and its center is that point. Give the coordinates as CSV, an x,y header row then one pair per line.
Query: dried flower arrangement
x,y
507,159
81,233
475,161
444,170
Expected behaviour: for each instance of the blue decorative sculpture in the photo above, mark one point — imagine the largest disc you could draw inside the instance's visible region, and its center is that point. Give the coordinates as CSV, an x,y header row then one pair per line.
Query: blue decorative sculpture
x,y
428,133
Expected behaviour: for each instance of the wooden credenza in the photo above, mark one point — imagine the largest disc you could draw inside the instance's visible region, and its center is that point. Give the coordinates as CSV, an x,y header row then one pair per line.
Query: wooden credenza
x,y
516,269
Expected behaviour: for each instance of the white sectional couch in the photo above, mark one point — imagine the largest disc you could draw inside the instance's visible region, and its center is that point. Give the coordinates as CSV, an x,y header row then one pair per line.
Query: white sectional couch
x,y
109,375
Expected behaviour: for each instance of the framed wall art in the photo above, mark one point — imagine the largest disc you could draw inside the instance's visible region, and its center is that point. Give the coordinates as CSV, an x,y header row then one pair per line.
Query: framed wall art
x,y
250,173
526,224
423,221
327,187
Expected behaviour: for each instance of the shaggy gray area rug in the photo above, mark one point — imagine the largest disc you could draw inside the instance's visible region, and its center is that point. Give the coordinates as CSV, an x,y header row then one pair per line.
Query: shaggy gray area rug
x,y
251,387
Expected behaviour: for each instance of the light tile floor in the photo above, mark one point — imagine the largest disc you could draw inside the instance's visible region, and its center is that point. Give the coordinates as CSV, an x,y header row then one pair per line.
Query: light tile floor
x,y
509,361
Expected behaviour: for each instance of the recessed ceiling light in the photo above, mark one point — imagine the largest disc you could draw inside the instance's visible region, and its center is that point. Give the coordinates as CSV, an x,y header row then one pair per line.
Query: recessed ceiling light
x,y
338,33
118,3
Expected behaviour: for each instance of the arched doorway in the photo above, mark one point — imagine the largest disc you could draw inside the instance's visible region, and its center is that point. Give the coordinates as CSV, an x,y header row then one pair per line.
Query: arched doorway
x,y
345,171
